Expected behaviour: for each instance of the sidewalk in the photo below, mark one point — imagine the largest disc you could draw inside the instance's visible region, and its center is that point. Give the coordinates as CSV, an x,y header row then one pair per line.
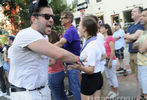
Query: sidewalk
x,y
127,84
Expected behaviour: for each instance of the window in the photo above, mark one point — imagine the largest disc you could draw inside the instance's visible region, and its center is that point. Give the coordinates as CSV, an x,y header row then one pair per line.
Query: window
x,y
87,1
98,0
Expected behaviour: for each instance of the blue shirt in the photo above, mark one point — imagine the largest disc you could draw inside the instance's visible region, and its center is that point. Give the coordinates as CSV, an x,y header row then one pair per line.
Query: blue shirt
x,y
132,29
73,41
120,42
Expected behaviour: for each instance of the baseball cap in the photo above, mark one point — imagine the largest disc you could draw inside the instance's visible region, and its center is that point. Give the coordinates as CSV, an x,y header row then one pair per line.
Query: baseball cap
x,y
33,7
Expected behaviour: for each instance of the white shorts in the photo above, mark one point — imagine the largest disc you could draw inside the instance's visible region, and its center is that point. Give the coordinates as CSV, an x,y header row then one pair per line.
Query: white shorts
x,y
142,77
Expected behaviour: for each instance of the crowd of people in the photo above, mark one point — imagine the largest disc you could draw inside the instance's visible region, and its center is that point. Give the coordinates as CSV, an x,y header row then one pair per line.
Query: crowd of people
x,y
39,58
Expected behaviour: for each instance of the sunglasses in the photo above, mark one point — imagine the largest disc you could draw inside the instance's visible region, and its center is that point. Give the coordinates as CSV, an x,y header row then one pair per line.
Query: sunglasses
x,y
46,16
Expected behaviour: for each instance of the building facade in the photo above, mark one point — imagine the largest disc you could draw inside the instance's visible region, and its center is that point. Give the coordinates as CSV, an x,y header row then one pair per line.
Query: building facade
x,y
109,11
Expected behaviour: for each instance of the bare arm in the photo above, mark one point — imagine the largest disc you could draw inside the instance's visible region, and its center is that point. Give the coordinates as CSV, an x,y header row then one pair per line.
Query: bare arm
x,y
135,44
88,70
44,47
61,42
79,66
112,54
143,46
103,57
132,37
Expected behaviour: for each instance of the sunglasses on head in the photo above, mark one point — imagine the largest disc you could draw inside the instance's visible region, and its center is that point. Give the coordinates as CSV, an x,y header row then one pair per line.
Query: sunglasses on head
x,y
46,16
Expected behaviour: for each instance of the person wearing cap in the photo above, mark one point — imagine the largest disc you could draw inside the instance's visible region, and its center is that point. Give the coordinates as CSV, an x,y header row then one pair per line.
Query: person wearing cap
x,y
119,47
30,54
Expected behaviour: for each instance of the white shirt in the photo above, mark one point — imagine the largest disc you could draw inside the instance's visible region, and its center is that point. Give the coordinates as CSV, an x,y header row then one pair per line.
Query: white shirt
x,y
100,39
93,53
28,69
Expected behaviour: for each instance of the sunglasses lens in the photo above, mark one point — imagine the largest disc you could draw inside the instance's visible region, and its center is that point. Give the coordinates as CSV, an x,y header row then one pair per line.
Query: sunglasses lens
x,y
47,17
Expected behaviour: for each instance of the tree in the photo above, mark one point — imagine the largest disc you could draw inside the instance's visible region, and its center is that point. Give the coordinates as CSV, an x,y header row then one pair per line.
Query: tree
x,y
17,13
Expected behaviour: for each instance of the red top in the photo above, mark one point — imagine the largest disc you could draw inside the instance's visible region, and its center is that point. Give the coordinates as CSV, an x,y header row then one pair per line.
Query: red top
x,y
107,47
55,68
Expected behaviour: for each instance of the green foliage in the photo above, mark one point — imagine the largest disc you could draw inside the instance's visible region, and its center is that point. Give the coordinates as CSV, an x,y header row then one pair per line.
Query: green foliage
x,y
24,12
17,13
20,19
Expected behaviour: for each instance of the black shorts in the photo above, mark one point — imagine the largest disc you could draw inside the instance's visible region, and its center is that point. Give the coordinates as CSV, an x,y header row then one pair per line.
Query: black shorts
x,y
91,83
120,53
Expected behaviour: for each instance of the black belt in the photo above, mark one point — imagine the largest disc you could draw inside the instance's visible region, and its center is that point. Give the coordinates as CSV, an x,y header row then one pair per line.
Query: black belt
x,y
17,89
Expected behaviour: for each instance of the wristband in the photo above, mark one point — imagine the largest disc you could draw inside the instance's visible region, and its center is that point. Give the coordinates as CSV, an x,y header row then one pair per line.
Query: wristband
x,y
80,59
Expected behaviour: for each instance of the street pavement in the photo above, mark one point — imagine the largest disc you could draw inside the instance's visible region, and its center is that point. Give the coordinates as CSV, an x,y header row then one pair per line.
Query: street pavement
x,y
127,84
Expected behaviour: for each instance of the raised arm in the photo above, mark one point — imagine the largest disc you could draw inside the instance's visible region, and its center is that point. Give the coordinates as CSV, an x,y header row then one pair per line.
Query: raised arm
x,y
44,47
61,42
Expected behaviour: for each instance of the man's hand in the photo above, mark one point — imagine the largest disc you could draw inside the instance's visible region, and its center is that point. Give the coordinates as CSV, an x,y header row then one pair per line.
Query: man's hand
x,y
77,65
135,45
126,35
83,59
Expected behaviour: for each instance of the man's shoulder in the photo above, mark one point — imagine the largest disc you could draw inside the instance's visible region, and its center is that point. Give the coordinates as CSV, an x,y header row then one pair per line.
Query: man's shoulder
x,y
25,30
72,30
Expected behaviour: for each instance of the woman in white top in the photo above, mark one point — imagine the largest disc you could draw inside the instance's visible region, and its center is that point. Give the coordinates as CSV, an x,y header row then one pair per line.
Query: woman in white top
x,y
92,79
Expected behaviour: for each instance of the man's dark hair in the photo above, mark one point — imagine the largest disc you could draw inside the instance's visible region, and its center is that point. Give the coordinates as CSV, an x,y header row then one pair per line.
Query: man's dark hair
x,y
69,15
91,25
53,37
145,9
107,26
94,17
36,6
140,9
